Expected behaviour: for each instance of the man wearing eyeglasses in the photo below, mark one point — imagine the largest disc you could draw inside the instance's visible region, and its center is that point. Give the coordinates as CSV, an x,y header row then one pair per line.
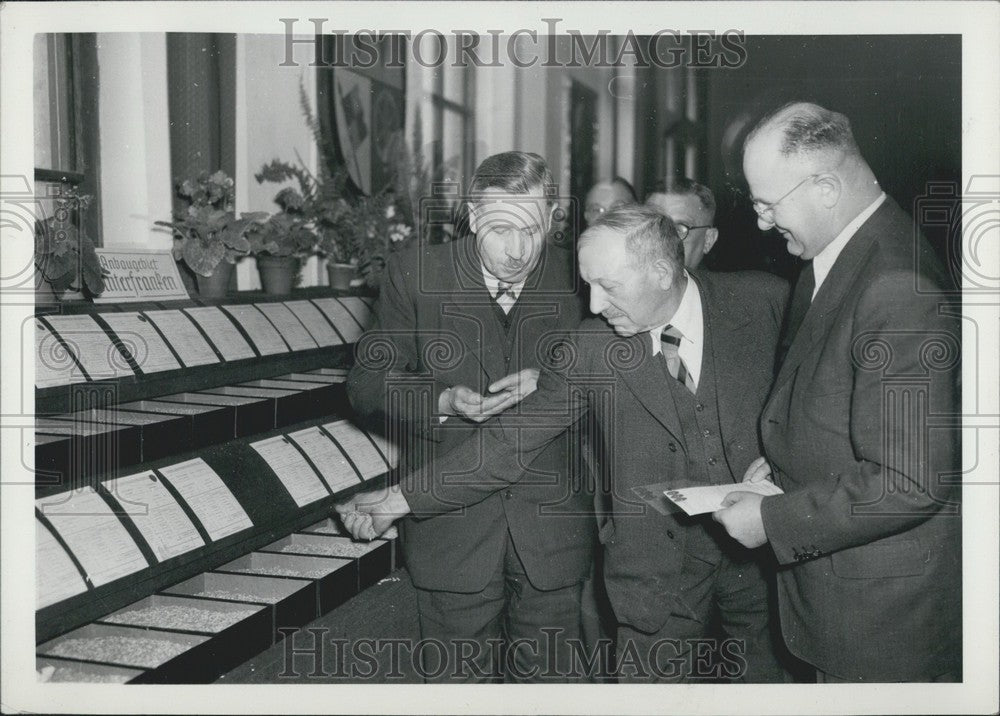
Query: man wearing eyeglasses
x,y
605,196
867,531
692,207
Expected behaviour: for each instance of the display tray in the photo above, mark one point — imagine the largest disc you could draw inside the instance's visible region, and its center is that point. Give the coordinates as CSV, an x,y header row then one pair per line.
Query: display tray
x,y
90,448
163,656
301,401
283,403
252,415
335,580
313,378
374,558
208,424
339,372
293,602
237,629
54,670
158,434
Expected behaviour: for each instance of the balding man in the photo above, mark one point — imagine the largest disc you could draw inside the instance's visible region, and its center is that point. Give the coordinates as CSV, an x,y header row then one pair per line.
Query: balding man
x,y
605,196
692,207
868,529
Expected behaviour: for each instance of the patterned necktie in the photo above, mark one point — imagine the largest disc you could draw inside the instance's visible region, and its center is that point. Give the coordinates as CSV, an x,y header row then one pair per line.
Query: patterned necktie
x,y
801,299
670,342
505,296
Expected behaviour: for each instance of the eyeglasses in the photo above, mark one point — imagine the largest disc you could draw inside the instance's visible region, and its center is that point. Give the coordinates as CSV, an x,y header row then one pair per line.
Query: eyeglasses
x,y
761,208
683,229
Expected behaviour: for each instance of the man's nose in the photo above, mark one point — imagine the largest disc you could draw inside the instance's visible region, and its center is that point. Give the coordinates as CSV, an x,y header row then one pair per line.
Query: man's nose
x,y
598,299
765,224
517,245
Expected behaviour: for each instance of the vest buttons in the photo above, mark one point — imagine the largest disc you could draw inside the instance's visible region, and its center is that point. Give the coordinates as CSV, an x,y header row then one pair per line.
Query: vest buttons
x,y
671,447
699,407
706,432
711,461
670,534
509,494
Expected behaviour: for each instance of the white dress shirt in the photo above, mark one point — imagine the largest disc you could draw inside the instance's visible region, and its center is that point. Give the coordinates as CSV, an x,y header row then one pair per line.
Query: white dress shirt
x,y
689,320
825,259
493,286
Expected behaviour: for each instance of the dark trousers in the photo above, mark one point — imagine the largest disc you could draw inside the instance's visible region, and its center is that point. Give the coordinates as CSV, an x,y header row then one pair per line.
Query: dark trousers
x,y
686,649
510,631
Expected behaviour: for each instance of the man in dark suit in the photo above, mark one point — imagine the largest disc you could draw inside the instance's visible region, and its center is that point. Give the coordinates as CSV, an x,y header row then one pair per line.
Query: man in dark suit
x,y
868,530
454,343
675,375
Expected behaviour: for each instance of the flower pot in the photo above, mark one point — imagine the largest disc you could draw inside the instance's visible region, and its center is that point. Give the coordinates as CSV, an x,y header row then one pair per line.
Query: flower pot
x,y
216,285
277,273
341,275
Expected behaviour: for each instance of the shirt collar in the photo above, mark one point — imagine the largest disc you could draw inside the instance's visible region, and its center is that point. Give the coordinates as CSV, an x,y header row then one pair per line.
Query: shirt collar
x,y
825,259
687,318
493,284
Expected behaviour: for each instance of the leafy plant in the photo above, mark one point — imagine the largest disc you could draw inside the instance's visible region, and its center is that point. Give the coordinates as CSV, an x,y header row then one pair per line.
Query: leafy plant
x,y
209,232
63,251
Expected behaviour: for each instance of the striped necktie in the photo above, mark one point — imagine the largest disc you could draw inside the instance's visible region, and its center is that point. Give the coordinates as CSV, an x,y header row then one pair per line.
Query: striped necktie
x,y
670,342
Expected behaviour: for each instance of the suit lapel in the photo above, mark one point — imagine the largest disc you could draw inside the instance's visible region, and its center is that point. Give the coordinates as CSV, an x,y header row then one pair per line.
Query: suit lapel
x,y
831,294
648,382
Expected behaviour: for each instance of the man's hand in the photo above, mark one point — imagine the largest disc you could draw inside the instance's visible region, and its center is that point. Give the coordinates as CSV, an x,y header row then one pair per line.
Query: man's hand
x,y
508,391
370,514
740,515
759,471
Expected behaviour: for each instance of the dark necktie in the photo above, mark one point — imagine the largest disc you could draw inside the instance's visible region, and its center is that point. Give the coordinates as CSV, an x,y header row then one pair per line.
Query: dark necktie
x,y
801,299
670,343
505,296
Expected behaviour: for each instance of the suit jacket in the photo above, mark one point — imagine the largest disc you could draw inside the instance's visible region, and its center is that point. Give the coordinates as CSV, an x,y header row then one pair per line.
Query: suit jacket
x,y
435,326
618,384
869,524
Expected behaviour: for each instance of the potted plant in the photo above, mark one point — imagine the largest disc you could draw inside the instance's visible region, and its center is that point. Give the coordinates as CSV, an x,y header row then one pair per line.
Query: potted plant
x,y
280,243
377,225
209,237
64,252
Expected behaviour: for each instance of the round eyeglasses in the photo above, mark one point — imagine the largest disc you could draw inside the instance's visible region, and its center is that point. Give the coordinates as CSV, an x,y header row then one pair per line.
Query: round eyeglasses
x,y
766,211
683,229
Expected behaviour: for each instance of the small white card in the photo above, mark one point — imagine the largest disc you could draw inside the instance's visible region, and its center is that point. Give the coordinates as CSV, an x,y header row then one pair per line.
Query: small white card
x,y
699,500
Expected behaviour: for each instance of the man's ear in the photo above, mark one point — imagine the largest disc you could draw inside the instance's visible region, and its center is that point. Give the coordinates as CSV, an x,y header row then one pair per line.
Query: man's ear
x,y
473,216
665,274
830,187
711,236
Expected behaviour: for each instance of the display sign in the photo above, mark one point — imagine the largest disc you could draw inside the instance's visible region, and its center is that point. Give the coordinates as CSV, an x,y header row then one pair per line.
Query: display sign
x,y
184,337
294,333
326,456
54,364
140,338
91,345
97,538
302,483
56,577
162,522
139,275
340,317
264,336
358,447
320,329
222,332
208,497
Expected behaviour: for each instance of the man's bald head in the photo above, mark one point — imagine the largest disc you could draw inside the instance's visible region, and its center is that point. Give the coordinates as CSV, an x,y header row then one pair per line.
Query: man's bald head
x,y
605,196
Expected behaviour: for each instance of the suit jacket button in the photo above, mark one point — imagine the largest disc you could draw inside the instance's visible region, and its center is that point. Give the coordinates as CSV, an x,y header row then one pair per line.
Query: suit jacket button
x,y
699,407
670,534
509,494
671,447
711,461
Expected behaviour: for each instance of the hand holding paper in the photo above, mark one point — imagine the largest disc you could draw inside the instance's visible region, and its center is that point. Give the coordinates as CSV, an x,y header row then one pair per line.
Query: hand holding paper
x,y
699,500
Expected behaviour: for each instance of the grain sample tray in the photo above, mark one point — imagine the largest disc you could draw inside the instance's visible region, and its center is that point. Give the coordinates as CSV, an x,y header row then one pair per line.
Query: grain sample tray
x,y
374,558
336,580
57,671
292,602
163,657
